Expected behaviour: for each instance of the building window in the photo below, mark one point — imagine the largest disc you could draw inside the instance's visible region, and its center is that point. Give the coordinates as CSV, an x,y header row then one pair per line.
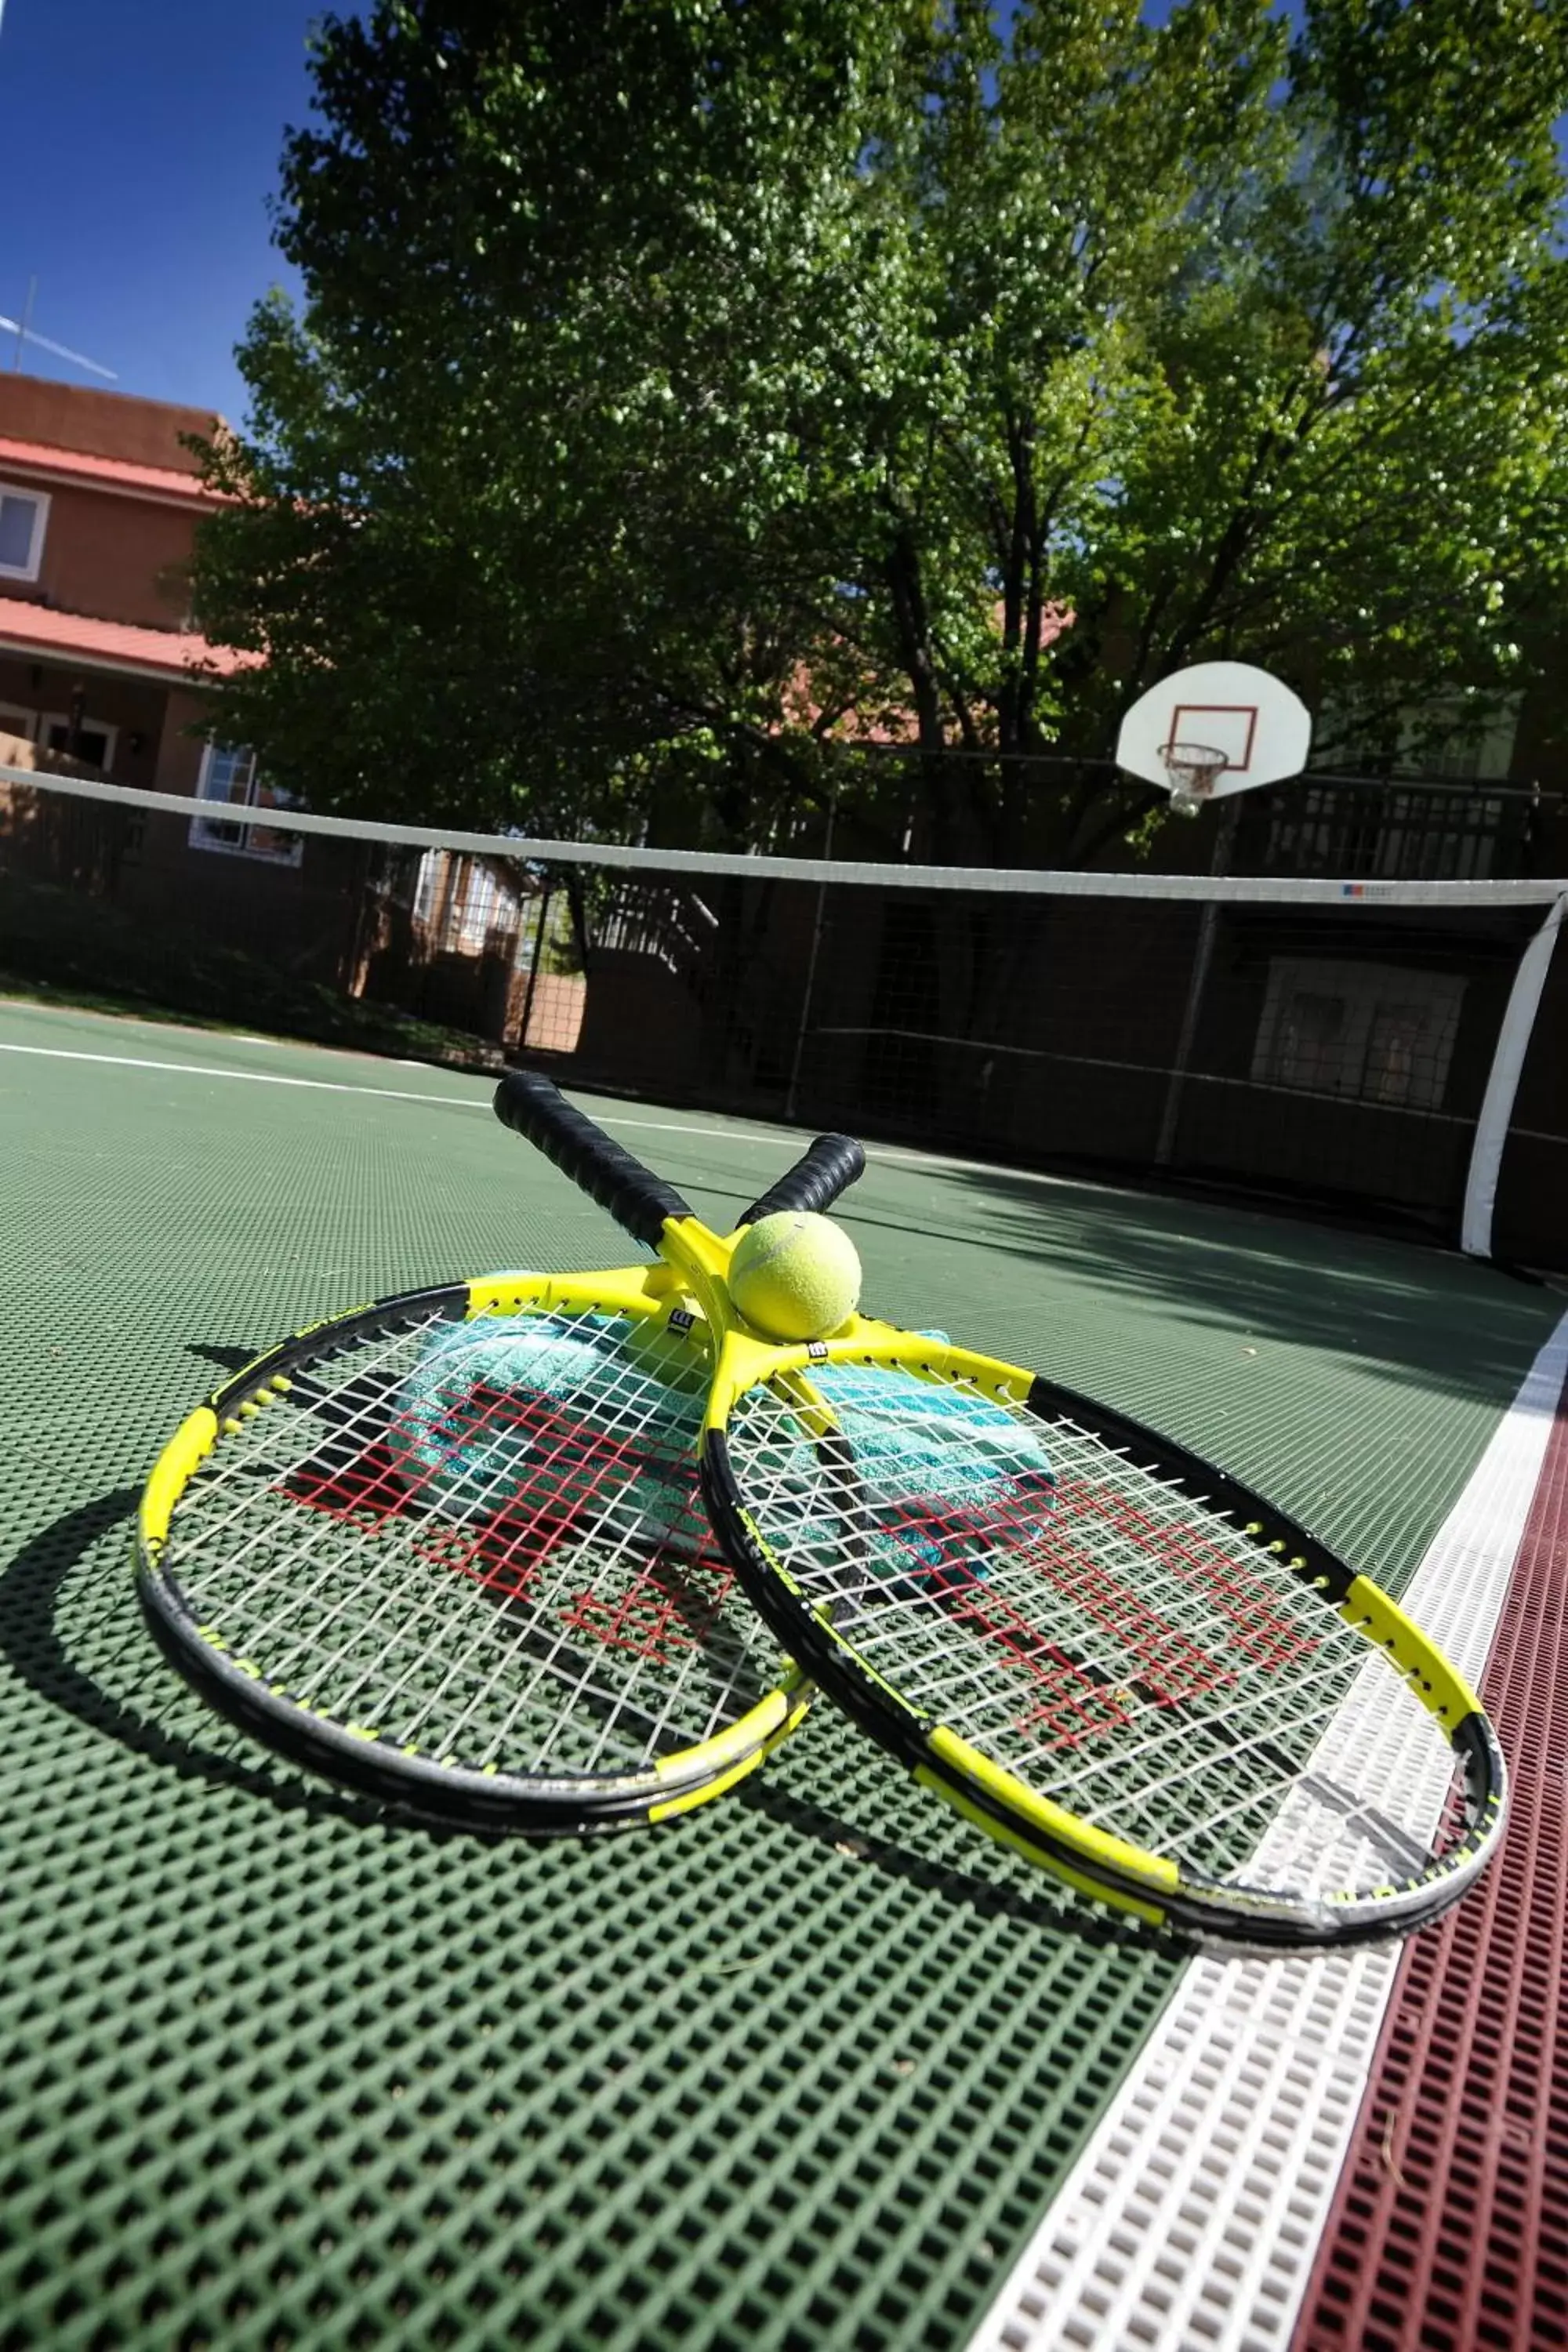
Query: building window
x,y
95,738
229,774
1364,1032
23,515
430,866
481,907
16,720
466,899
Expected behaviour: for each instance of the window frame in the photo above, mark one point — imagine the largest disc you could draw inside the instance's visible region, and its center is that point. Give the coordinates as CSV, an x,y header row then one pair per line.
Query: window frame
x,y
61,718
1366,990
41,502
479,908
247,815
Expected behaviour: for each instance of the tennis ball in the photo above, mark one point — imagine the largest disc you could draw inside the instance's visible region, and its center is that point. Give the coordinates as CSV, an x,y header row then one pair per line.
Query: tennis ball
x,y
795,1275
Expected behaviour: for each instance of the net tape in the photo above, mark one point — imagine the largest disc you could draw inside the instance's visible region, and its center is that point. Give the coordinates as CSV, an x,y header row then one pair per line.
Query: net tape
x,y
1010,881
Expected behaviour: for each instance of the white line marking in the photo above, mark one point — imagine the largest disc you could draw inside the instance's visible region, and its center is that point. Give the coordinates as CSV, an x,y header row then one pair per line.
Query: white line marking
x,y
1195,2211
890,1152
383,1094
250,1077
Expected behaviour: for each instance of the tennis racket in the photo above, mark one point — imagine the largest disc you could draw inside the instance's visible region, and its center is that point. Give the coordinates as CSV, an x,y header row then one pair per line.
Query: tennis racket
x,y
1097,1647
448,1550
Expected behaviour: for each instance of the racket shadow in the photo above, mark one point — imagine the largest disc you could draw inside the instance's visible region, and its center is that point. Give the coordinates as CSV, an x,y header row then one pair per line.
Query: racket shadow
x,y
142,1715
1042,1908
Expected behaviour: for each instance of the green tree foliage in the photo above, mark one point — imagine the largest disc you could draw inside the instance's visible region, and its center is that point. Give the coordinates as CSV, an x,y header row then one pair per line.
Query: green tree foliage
x,y
682,384
527,499
1352,465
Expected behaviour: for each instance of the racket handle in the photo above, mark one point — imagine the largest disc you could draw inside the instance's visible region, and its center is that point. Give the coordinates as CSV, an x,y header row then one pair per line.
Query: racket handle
x,y
640,1201
818,1178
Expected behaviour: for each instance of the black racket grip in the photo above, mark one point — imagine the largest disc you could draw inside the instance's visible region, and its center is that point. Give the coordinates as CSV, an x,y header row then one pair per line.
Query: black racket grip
x,y
818,1178
638,1200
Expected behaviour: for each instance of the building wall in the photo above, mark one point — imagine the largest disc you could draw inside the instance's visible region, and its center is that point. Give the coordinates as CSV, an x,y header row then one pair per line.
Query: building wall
x,y
102,424
116,557
179,756
110,554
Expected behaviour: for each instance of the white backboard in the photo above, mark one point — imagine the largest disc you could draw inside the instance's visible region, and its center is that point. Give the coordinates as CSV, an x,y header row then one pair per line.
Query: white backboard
x,y
1264,731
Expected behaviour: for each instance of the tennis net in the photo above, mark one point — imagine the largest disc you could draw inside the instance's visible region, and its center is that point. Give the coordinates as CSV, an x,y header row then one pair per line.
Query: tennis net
x,y
1380,1047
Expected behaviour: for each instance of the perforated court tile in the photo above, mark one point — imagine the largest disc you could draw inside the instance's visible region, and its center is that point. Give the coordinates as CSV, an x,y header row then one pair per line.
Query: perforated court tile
x,y
801,2071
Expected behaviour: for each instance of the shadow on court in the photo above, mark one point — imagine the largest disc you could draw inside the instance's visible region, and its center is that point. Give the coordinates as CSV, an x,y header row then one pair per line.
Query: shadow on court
x,y
1039,1902
144,1716
1404,1311
131,1696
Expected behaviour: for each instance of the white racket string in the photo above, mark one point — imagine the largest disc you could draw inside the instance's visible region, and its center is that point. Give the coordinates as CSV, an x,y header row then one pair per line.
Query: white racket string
x,y
486,1556
1083,1621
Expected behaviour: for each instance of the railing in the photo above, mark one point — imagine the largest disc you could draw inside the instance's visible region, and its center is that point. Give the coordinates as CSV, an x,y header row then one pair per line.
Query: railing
x,y
1391,830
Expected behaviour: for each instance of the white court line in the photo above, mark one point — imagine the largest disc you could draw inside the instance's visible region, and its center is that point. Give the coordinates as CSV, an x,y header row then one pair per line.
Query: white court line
x,y
249,1077
892,1152
381,1093
1195,2212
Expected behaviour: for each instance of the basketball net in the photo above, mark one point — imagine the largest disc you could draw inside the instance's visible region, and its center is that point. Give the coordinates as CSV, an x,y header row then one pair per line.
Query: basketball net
x,y
1193,769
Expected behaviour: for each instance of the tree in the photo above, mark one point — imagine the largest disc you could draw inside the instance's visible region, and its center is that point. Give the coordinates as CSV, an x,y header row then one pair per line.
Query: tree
x,y
1357,445
526,498
1277,373
681,385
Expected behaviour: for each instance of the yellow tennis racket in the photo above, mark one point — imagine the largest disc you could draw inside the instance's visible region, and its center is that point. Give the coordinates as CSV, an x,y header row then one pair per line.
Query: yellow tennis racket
x,y
449,1550
1097,1647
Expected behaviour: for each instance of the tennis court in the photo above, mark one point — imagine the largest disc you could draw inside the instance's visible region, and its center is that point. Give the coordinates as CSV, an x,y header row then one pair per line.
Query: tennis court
x,y
805,2070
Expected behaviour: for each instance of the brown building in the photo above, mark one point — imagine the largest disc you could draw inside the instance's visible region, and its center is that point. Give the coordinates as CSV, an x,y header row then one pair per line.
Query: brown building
x,y
99,503
100,500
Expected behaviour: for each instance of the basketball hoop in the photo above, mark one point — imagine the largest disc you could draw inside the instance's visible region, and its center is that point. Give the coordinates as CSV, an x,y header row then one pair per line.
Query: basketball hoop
x,y
1193,768
1218,715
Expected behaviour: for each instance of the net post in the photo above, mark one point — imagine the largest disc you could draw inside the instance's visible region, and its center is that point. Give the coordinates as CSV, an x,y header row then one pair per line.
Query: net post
x,y
1502,1087
809,988
1170,1116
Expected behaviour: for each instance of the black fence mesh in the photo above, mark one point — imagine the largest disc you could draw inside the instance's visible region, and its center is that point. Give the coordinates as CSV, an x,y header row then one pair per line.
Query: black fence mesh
x,y
1332,1051
1334,1043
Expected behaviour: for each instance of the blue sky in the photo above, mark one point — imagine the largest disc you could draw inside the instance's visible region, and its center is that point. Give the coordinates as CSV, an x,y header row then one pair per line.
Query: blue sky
x,y
146,136
144,142
149,133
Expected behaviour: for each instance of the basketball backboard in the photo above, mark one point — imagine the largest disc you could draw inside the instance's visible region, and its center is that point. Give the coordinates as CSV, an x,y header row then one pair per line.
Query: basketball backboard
x,y
1221,727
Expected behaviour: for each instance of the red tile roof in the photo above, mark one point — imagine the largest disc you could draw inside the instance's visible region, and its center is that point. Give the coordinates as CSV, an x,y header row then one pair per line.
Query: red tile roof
x,y
112,473
113,645
889,726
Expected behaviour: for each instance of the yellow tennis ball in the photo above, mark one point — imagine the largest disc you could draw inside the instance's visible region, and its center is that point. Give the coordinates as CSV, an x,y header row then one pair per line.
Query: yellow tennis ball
x,y
795,1275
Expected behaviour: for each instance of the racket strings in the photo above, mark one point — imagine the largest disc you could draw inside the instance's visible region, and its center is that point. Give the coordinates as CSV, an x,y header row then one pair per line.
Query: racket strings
x,y
467,1684
1091,1626
483,1541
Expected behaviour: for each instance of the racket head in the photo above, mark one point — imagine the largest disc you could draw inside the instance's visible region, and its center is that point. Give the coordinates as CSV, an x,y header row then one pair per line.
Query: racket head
x,y
1097,1647
448,1549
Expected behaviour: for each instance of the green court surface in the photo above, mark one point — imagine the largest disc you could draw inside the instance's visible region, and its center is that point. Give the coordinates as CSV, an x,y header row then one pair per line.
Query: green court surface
x,y
800,2070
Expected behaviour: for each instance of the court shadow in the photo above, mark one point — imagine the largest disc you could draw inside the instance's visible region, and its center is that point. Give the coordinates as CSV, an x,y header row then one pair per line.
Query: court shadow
x,y
223,1360
1404,1311
148,1713
1044,1906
